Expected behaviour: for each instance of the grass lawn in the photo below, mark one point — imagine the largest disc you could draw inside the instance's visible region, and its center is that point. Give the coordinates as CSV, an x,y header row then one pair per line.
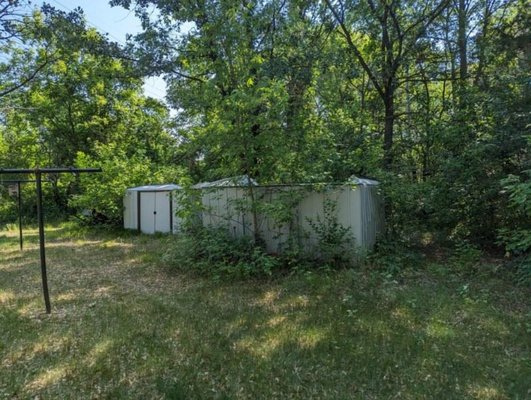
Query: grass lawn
x,y
124,326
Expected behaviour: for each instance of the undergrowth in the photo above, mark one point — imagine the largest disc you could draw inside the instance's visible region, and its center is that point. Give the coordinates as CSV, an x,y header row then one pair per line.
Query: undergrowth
x,y
215,252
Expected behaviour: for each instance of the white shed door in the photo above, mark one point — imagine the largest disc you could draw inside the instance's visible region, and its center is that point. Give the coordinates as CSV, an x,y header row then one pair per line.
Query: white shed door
x,y
162,212
155,212
147,212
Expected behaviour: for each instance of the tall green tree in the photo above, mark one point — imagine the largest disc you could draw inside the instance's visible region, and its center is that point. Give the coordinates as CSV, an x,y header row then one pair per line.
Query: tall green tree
x,y
237,77
84,103
383,36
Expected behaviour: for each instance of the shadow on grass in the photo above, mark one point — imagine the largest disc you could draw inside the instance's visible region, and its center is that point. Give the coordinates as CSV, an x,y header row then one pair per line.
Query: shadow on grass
x,y
122,329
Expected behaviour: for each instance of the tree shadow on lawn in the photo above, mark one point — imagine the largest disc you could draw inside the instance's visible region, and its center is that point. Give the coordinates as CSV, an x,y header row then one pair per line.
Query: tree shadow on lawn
x,y
337,337
322,347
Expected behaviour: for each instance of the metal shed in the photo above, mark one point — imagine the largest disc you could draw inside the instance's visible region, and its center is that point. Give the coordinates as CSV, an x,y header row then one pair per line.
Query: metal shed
x,y
151,209
357,206
225,203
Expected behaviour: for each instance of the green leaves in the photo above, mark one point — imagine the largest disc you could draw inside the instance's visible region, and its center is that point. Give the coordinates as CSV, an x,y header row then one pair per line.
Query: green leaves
x,y
517,236
85,107
519,190
104,192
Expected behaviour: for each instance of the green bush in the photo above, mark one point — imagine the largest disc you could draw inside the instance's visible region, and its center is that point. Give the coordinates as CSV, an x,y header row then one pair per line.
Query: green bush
x,y
466,258
516,235
104,192
213,251
522,266
394,256
335,245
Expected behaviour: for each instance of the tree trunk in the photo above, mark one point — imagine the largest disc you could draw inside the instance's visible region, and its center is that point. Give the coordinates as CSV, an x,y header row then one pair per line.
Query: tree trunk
x,y
461,41
480,80
388,129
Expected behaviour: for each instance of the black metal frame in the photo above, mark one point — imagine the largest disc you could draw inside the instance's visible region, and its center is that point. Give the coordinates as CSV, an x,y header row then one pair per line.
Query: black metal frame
x,y
40,215
19,202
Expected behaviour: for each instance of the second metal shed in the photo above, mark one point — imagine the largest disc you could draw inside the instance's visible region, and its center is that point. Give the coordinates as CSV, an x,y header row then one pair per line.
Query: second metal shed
x,y
151,209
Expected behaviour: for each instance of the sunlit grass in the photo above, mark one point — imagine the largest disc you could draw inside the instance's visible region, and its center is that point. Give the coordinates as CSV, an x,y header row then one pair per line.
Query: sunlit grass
x,y
124,326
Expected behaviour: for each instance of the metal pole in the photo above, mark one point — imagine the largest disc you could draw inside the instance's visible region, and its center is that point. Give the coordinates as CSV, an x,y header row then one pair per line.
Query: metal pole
x,y
20,216
46,170
40,217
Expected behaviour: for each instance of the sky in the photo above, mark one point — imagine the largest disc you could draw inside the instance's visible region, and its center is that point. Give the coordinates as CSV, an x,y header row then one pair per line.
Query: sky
x,y
117,22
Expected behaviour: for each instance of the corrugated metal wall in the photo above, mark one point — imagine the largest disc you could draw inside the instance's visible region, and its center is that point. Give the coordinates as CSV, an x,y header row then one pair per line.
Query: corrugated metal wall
x,y
356,207
130,210
227,207
372,214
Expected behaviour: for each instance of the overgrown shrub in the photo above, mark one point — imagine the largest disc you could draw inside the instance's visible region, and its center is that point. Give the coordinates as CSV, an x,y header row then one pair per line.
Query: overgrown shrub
x,y
516,236
217,251
103,193
213,251
394,256
9,211
335,243
407,209
522,267
466,258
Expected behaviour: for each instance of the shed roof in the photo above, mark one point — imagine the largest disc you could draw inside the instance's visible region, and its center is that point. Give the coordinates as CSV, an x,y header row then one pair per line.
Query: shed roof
x,y
362,181
241,180
155,188
244,180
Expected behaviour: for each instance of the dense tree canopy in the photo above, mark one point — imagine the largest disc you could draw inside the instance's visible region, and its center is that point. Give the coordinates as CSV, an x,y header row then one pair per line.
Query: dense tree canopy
x,y
84,106
431,97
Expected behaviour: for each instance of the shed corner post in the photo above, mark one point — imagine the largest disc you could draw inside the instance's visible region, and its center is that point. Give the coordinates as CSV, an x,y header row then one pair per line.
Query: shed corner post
x,y
172,230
